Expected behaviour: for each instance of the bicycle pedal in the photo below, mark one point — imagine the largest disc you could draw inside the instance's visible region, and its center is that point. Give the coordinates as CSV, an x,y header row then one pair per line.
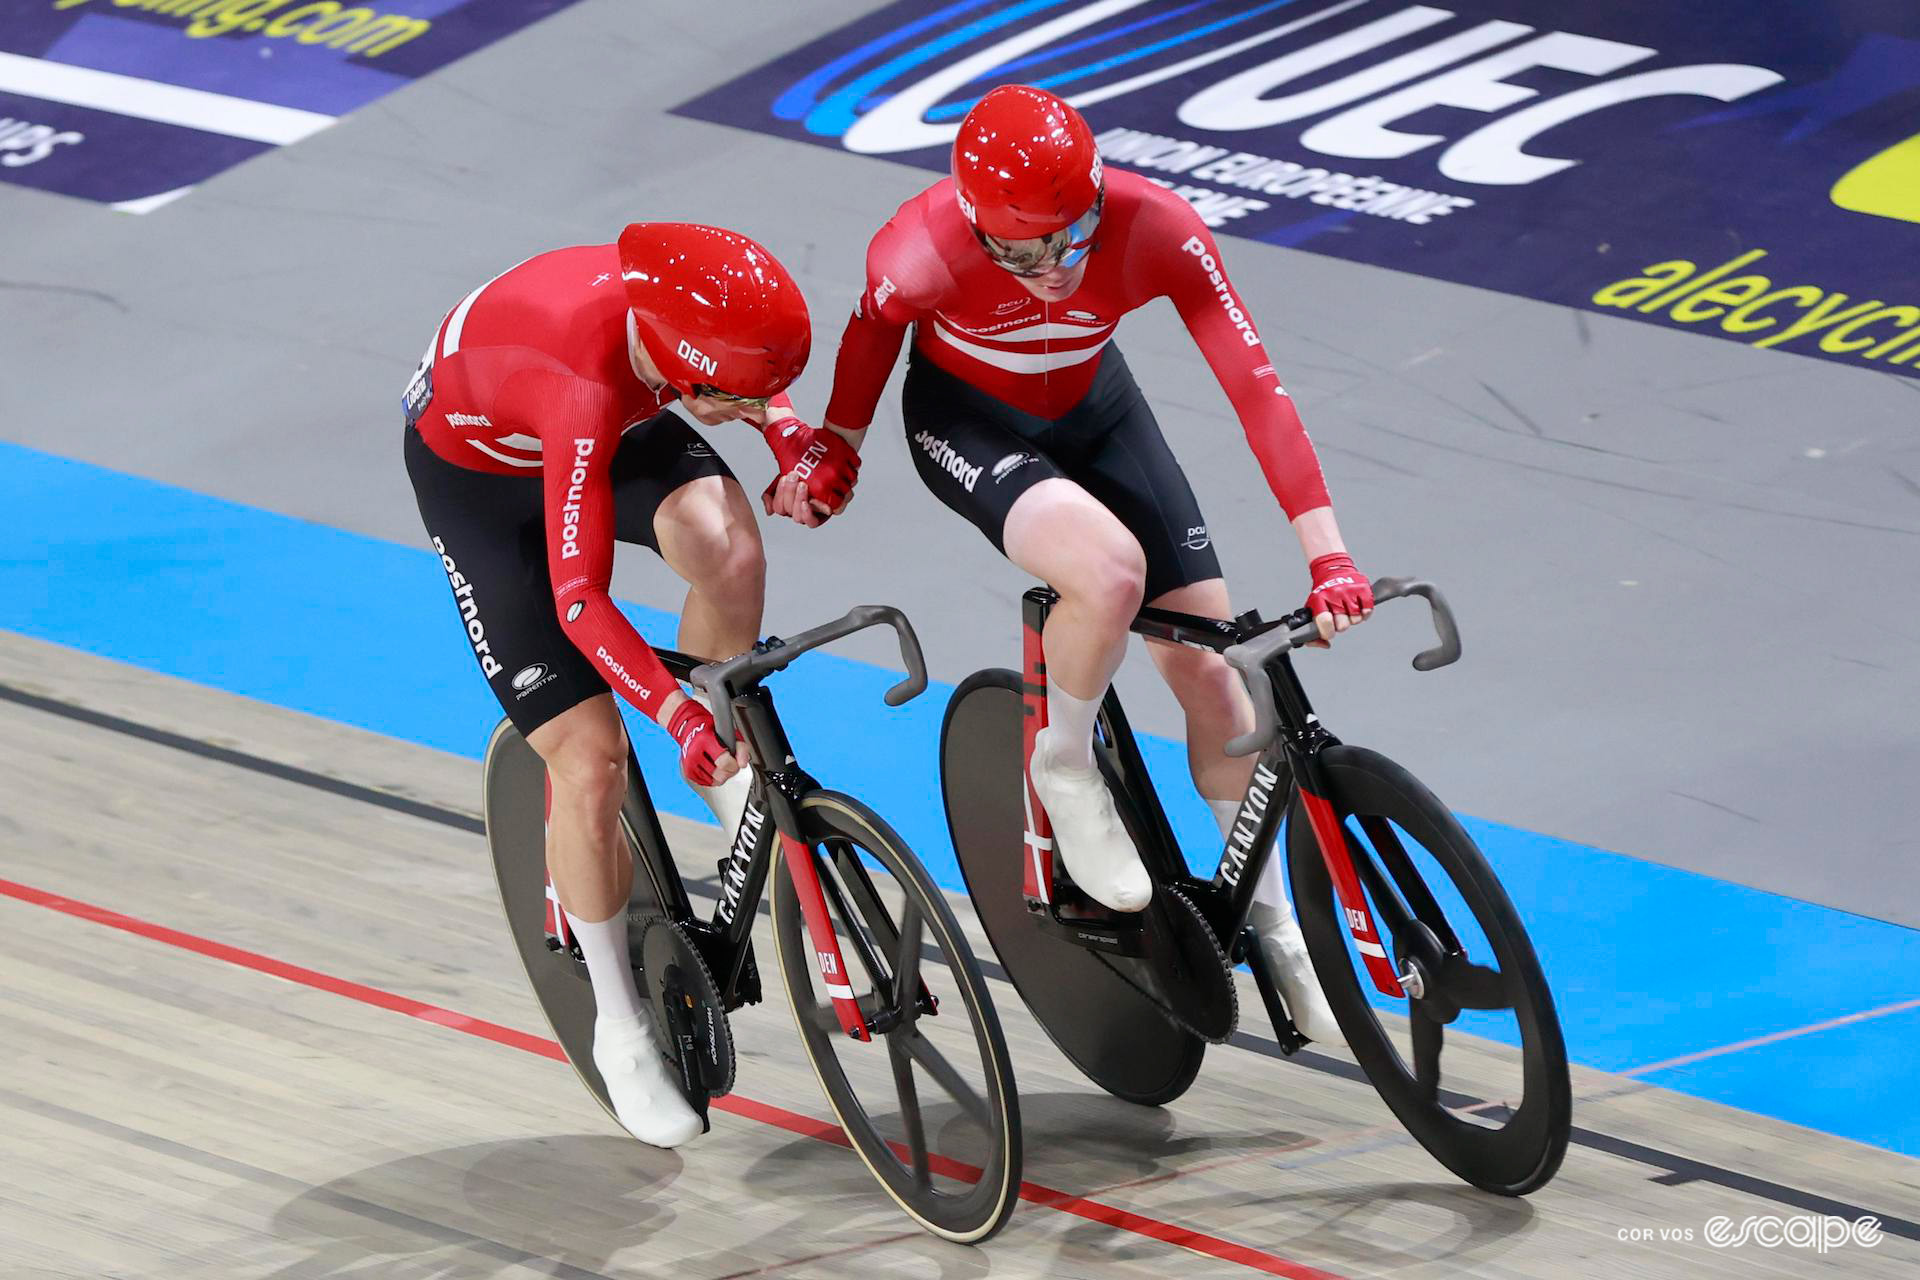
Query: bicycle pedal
x,y
1097,930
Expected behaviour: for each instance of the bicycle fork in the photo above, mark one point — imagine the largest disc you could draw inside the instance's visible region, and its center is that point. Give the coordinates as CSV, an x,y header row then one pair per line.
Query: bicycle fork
x,y
1306,737
1331,835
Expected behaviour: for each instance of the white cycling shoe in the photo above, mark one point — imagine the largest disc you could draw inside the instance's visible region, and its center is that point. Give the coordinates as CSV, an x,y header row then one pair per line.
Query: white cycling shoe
x,y
1285,952
645,1096
1087,833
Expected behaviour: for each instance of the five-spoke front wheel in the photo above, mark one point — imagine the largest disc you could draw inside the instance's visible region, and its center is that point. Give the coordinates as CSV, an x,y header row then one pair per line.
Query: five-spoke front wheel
x,y
929,1100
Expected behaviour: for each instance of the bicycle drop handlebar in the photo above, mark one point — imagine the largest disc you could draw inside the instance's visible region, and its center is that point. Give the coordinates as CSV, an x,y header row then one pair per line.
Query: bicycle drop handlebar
x,y
1250,657
723,681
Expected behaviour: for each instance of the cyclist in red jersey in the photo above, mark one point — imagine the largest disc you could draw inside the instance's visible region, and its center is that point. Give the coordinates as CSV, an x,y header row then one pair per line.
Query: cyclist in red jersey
x,y
1023,417
538,433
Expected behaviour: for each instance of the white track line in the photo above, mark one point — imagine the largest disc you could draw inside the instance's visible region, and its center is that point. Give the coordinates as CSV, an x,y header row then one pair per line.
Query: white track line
x,y
1771,1038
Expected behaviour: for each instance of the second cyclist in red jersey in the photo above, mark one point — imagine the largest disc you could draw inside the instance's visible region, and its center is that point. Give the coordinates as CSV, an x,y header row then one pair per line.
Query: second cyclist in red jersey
x,y
1023,417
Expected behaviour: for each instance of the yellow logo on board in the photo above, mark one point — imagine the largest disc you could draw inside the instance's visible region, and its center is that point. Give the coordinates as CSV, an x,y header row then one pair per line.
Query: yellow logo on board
x,y
1886,185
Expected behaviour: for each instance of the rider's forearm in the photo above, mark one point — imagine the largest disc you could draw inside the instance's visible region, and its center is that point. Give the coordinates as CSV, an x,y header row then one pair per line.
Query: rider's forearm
x,y
854,436
670,704
779,409
1319,533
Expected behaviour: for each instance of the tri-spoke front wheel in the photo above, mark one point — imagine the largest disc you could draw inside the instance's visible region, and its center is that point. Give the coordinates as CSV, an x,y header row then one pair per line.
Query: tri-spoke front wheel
x,y
929,1101
1496,1106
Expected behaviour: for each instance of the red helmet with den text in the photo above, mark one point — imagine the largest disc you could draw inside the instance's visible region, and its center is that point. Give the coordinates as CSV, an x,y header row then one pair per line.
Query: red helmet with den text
x,y
1025,167
714,310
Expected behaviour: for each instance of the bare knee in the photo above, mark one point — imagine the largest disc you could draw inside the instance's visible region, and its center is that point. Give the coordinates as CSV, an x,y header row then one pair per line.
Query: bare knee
x,y
739,569
714,548
587,765
1208,690
1110,579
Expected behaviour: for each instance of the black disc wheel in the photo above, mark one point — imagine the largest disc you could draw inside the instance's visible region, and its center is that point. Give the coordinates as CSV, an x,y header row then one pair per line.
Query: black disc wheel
x,y
1494,1104
928,1101
1108,1025
514,801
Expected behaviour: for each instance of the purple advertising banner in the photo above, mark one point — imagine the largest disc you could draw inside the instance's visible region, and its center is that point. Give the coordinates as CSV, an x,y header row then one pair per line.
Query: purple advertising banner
x,y
132,102
1746,171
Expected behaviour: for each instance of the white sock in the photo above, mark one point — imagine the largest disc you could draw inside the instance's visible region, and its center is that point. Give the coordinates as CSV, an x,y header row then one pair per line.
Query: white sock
x,y
1270,904
609,965
1071,720
729,799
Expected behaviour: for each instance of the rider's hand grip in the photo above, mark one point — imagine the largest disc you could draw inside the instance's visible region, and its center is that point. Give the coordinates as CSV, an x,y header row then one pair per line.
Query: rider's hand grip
x,y
721,680
1250,657
1448,650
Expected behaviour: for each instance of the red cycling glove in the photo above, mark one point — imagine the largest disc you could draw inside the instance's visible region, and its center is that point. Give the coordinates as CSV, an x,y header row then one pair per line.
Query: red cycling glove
x,y
828,464
1338,587
700,749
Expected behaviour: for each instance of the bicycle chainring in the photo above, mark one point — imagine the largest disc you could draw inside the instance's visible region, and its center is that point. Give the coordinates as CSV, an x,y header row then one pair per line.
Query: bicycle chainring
x,y
1183,971
689,1017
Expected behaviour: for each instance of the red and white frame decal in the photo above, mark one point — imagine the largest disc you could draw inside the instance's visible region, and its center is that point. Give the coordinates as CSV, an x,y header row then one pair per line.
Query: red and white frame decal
x,y
1331,834
556,915
1037,853
826,948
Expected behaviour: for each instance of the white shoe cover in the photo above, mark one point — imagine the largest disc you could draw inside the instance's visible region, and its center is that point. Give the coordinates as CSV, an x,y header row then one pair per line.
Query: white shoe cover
x,y
645,1095
1087,833
1285,952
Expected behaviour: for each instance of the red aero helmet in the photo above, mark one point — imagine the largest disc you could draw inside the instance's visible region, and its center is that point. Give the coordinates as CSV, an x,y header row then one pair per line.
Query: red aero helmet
x,y
1025,164
713,308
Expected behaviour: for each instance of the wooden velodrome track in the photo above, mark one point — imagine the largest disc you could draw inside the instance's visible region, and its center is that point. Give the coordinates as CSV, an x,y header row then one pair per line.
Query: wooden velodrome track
x,y
261,1018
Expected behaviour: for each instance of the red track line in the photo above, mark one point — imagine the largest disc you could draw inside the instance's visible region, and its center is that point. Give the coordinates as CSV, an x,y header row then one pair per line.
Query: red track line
x,y
735,1104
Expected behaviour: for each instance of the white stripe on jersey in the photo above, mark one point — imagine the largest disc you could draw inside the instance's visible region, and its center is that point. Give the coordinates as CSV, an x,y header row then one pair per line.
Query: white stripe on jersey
x,y
496,454
458,320
1035,331
1021,361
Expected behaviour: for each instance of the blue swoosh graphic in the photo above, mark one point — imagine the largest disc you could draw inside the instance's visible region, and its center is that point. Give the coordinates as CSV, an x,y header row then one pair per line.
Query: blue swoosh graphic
x,y
954,109
1002,73
837,114
799,98
1048,55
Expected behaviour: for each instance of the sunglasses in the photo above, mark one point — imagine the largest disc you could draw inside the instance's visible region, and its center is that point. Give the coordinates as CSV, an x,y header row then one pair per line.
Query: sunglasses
x,y
702,391
1066,247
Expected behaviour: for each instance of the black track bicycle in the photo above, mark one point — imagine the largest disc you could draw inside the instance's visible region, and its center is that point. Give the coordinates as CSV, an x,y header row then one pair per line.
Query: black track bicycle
x,y
1409,931
889,1000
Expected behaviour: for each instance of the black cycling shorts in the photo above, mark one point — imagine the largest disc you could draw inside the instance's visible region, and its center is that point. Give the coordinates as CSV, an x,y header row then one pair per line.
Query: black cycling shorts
x,y
978,454
490,533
